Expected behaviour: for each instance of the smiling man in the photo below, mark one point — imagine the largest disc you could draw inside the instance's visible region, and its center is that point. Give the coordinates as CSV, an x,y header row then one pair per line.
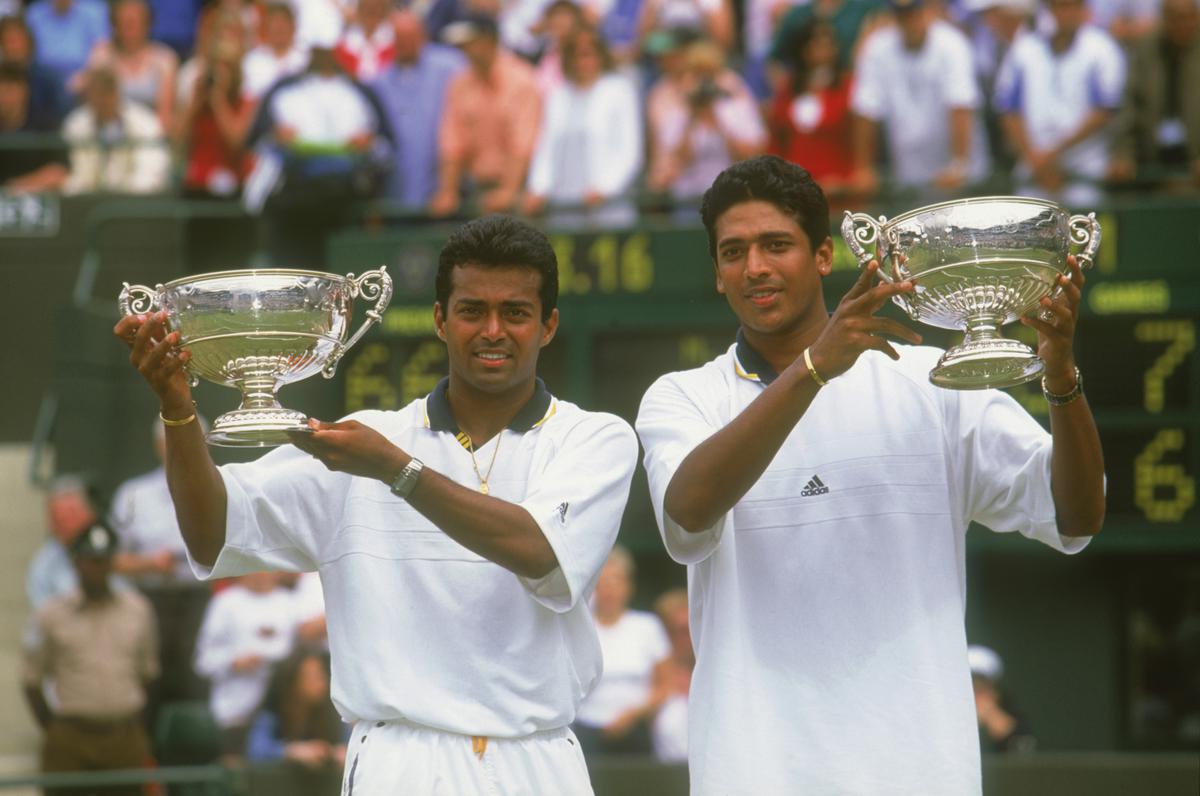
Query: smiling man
x,y
819,488
455,538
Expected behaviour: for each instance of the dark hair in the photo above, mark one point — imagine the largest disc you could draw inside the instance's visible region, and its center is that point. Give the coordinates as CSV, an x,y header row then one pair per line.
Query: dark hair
x,y
771,179
571,47
296,720
499,241
13,72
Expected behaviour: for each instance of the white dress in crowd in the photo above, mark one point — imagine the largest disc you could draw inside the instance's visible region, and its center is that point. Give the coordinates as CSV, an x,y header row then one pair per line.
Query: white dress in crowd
x,y
241,622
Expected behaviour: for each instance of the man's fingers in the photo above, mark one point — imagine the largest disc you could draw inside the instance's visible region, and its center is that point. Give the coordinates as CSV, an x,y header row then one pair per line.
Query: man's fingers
x,y
879,344
877,296
126,329
865,279
158,354
892,328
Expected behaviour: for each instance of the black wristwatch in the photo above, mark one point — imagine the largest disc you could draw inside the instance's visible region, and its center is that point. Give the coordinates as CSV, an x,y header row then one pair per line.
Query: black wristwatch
x,y
406,481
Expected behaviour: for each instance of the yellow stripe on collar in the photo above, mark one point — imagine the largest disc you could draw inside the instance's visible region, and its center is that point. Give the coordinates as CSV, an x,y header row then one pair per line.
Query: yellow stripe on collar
x,y
549,413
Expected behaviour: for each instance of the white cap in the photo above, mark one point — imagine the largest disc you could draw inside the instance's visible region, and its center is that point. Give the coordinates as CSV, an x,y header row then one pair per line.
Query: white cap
x,y
1016,6
984,662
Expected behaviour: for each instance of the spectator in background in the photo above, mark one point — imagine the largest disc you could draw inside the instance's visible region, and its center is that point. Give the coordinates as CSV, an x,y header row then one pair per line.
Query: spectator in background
x,y
69,512
331,144
560,20
810,119
713,18
368,45
152,555
146,69
993,26
1001,729
212,131
589,151
247,629
615,717
40,165
848,18
48,98
65,32
277,56
97,645
298,722
320,21
115,145
1158,125
490,125
702,118
412,92
673,679
917,80
220,29
1059,128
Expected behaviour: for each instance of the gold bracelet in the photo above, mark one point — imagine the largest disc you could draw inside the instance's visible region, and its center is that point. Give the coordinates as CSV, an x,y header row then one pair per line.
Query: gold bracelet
x,y
811,370
175,423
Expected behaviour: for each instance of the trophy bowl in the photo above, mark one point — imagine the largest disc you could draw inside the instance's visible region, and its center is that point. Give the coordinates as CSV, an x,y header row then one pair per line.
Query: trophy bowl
x,y
257,330
978,264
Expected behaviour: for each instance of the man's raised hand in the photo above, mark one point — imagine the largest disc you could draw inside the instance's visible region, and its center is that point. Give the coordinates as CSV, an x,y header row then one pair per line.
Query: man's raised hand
x,y
854,328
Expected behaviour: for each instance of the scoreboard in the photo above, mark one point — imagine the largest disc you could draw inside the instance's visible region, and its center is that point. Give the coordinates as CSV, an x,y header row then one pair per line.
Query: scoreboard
x,y
636,304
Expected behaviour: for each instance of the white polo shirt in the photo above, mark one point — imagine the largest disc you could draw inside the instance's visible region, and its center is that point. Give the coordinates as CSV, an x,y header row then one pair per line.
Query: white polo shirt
x,y
421,628
912,93
144,518
1055,92
631,647
827,606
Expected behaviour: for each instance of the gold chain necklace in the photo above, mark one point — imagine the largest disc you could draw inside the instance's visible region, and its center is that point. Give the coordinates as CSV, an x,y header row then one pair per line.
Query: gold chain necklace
x,y
483,479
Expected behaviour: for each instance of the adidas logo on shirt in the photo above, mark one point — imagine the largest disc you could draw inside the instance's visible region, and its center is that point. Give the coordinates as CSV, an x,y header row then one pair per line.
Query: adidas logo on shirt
x,y
815,486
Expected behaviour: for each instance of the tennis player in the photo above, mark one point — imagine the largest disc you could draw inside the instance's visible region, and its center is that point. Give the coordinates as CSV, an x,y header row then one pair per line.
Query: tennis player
x,y
819,489
454,537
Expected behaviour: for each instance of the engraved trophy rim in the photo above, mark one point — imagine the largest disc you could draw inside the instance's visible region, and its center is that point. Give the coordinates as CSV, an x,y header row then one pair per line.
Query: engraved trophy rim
x,y
970,200
248,272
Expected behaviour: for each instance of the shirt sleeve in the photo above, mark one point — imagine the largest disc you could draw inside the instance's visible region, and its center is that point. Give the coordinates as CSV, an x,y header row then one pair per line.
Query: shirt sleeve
x,y
670,426
278,511
1002,460
578,501
1106,83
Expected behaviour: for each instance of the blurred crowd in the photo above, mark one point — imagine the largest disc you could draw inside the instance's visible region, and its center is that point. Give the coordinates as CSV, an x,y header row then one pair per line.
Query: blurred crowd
x,y
124,644
589,110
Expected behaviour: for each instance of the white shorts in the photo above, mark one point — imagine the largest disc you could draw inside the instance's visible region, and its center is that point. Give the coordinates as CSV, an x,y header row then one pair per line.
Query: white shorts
x,y
387,758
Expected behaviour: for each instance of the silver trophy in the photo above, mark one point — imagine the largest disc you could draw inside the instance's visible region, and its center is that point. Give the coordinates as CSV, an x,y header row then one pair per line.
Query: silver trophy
x,y
978,264
258,330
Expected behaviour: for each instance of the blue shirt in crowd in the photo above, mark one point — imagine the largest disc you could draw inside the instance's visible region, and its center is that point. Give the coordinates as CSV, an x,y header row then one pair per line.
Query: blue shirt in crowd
x,y
63,42
412,97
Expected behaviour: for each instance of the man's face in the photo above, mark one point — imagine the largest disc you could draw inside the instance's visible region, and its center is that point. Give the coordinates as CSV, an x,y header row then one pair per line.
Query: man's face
x,y
767,269
1069,15
613,589
93,572
15,44
409,38
480,52
279,29
914,24
493,326
70,514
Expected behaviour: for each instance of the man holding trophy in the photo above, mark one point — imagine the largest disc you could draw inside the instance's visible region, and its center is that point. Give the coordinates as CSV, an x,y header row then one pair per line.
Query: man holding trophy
x,y
455,538
819,488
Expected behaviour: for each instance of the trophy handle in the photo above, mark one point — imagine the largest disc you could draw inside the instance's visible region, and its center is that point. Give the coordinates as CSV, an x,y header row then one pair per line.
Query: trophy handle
x,y
136,299
373,286
859,231
1085,231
